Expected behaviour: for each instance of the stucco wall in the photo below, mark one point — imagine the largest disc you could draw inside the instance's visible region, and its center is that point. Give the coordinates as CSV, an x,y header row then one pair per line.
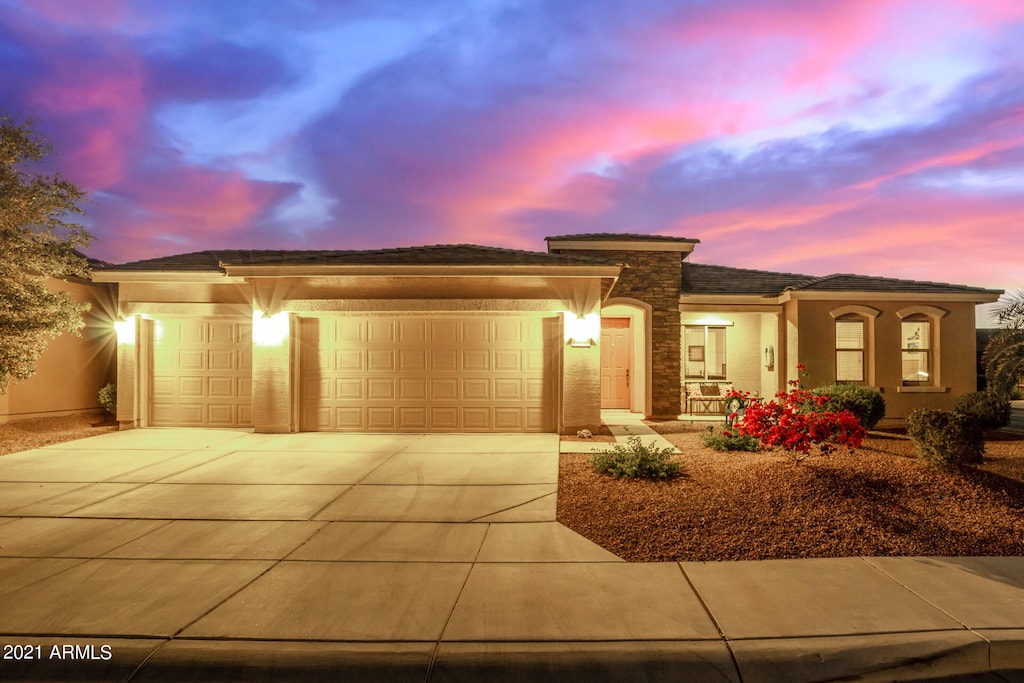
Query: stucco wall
x,y
954,369
73,369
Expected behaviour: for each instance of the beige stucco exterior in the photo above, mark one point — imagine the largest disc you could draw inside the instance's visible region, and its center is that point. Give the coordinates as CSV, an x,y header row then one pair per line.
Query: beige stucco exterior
x,y
73,369
801,329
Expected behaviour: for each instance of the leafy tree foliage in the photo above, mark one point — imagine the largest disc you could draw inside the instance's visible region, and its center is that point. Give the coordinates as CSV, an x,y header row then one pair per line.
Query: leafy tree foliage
x,y
38,240
1004,354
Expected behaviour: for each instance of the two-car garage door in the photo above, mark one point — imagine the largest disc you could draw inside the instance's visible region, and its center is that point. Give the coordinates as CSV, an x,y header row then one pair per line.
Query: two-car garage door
x,y
427,373
375,373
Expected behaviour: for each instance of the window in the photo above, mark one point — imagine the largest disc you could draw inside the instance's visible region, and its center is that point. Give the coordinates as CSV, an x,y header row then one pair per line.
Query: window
x,y
916,334
704,352
849,350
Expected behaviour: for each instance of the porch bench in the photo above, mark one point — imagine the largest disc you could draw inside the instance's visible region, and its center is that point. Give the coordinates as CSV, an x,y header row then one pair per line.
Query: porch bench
x,y
709,397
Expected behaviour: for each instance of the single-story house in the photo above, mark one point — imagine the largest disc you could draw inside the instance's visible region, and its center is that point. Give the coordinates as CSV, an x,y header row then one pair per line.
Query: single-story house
x,y
470,338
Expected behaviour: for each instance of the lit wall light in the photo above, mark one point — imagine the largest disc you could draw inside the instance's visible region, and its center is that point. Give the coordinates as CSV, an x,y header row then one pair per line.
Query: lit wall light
x,y
269,330
582,331
125,329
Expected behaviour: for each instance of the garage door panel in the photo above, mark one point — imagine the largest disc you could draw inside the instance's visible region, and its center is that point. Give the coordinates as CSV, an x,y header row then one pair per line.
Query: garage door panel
x,y
412,360
476,360
412,389
423,373
508,360
191,387
443,418
380,389
347,389
443,360
348,361
508,390
444,388
509,420
221,387
380,361
476,389
192,359
476,419
379,330
221,359
412,419
381,418
202,372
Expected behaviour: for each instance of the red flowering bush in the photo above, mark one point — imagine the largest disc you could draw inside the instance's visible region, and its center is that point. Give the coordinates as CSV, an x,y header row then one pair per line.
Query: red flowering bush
x,y
788,423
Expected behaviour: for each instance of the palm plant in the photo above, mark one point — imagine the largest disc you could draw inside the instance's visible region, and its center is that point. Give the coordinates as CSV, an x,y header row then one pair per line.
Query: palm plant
x,y
1004,354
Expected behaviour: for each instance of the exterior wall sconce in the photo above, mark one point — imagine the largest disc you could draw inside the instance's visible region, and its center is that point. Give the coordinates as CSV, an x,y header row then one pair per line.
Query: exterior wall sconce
x,y
269,330
582,331
769,356
125,329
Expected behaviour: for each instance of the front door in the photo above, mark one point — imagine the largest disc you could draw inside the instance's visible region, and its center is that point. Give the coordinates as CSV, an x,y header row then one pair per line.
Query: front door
x,y
616,357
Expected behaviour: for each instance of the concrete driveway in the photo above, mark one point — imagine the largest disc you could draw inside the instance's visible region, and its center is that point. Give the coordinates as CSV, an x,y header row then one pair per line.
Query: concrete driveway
x,y
226,555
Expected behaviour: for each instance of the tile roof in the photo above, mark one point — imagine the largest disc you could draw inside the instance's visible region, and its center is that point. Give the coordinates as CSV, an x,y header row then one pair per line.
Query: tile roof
x,y
433,255
621,237
698,278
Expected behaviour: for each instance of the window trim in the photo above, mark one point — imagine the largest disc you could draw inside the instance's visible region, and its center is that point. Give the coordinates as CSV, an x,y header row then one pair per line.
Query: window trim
x,y
932,315
866,315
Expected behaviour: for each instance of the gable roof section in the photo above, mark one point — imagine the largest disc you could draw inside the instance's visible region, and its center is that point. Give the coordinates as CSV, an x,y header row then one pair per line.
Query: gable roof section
x,y
217,260
698,278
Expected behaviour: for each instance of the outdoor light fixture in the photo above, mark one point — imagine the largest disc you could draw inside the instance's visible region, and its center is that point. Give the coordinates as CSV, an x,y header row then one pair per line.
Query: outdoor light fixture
x,y
125,329
269,330
582,331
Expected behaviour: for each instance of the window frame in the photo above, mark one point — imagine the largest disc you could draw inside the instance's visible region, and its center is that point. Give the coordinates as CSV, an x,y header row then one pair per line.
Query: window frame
x,y
861,350
866,315
933,315
689,352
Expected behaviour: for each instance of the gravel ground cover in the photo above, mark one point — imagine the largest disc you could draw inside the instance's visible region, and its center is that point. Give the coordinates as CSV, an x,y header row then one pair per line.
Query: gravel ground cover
x,y
878,501
27,434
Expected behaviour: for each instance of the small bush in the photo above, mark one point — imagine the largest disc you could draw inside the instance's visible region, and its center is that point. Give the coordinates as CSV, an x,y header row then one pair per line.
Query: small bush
x,y
108,398
866,404
729,440
635,460
946,439
989,409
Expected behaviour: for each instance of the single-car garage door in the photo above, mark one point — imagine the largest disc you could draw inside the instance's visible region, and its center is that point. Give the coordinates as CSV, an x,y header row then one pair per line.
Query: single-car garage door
x,y
428,373
202,372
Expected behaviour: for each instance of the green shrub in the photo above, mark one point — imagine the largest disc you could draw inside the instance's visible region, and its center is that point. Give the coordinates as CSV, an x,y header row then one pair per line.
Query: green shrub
x,y
946,439
729,440
635,460
989,409
866,404
108,398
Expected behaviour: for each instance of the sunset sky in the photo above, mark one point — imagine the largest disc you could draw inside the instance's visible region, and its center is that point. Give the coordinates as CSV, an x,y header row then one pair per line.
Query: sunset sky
x,y
882,137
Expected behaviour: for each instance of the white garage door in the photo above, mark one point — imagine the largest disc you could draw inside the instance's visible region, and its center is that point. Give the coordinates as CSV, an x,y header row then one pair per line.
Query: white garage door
x,y
202,372
427,374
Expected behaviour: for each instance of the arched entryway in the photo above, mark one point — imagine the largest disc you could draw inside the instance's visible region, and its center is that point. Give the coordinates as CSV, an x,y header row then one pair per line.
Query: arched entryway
x,y
625,356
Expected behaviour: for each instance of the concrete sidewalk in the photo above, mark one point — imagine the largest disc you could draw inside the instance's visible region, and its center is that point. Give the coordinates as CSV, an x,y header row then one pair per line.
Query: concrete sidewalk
x,y
168,555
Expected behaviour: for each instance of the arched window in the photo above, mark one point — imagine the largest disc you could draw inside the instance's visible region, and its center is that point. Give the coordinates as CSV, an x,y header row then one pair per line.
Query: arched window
x,y
919,360
854,337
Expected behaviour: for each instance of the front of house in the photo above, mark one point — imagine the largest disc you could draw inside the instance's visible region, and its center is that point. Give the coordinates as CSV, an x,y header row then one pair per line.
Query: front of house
x,y
457,338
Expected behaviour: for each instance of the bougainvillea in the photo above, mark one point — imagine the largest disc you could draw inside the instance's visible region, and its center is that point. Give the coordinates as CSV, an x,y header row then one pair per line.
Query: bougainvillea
x,y
787,423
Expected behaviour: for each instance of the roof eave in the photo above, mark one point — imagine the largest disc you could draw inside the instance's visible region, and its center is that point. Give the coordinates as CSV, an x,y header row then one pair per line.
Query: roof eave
x,y
320,270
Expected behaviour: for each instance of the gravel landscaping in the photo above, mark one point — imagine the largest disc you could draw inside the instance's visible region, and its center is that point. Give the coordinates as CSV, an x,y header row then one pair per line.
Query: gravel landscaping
x,y
877,501
27,434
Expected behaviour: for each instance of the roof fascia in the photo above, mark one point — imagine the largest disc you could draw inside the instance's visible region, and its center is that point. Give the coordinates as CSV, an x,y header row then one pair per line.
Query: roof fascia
x,y
983,297
203,276
623,245
314,270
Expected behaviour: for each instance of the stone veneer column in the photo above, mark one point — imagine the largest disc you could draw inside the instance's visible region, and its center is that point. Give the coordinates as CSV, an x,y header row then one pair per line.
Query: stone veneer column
x,y
653,277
